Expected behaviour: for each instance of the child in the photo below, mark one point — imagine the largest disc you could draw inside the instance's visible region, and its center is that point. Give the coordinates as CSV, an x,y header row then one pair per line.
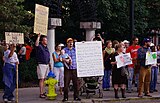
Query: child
x,y
66,58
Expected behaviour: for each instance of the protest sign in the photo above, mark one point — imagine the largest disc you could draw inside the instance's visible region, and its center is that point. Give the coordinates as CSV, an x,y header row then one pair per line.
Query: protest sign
x,y
41,19
151,58
123,60
89,59
12,37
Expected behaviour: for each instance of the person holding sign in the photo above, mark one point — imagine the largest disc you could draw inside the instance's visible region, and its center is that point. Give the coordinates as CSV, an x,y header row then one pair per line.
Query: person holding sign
x,y
9,72
43,59
117,78
145,70
133,67
71,72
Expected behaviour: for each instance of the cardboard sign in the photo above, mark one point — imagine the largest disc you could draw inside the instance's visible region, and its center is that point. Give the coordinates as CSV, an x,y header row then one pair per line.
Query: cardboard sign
x,y
123,60
151,58
12,37
89,59
41,19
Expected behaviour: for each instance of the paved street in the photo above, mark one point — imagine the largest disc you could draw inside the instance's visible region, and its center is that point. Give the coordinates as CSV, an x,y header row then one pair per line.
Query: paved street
x,y
30,95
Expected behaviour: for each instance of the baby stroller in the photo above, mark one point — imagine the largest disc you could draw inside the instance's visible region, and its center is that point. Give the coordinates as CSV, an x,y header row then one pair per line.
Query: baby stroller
x,y
91,85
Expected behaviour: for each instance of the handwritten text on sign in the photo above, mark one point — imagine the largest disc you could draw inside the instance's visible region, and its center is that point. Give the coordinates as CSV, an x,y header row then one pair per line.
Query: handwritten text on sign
x,y
41,19
12,37
123,60
89,59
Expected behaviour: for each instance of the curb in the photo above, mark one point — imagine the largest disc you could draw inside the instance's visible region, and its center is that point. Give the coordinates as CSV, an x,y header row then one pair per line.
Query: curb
x,y
123,99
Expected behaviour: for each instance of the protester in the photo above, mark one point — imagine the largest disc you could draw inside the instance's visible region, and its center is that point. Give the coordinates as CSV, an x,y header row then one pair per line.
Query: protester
x,y
71,73
9,72
114,43
107,54
158,54
126,45
145,70
58,66
98,37
28,51
133,67
154,74
22,53
117,78
43,60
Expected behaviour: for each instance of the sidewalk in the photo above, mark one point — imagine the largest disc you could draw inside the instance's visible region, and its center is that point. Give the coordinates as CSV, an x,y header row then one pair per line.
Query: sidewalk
x,y
31,95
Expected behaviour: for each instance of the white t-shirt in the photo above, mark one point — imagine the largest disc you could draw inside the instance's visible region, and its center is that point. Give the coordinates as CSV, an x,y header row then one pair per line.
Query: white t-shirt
x,y
12,60
23,49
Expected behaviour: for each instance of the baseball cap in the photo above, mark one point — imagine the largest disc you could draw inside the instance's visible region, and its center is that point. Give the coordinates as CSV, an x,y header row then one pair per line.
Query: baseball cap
x,y
146,40
69,39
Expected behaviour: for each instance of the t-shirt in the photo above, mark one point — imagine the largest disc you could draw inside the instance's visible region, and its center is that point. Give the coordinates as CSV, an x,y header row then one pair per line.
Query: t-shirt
x,y
12,60
133,51
28,52
23,49
57,64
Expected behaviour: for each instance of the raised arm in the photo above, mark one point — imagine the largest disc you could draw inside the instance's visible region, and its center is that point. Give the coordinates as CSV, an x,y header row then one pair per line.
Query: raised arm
x,y
13,47
37,41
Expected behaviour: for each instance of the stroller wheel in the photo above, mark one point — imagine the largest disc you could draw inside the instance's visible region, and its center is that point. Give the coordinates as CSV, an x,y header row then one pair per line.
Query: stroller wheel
x,y
88,96
100,95
81,91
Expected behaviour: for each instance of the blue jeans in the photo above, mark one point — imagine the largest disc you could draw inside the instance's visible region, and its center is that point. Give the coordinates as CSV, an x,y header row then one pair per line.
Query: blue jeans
x,y
154,75
10,85
130,79
8,92
137,80
106,79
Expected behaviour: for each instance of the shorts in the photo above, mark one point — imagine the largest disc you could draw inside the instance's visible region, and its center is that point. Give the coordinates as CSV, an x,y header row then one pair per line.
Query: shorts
x,y
42,71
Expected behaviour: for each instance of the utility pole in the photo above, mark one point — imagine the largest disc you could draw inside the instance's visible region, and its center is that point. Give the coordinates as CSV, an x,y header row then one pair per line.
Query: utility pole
x,y
132,27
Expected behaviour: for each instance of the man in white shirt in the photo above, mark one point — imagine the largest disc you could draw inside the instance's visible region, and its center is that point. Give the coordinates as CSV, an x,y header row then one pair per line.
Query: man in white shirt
x,y
9,73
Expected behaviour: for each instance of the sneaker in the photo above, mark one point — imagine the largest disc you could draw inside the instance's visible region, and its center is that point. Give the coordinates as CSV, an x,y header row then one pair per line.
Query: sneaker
x,y
5,100
42,96
77,99
13,99
129,91
107,89
151,91
65,99
155,90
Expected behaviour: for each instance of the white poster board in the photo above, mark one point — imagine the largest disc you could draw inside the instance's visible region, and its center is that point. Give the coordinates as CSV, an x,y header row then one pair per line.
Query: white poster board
x,y
123,60
41,19
151,58
13,37
89,59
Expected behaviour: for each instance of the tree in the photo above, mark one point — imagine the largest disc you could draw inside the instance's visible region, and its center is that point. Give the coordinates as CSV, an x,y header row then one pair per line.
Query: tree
x,y
13,17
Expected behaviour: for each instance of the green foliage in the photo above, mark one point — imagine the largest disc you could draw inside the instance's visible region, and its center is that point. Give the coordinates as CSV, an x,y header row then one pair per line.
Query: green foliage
x,y
28,71
13,17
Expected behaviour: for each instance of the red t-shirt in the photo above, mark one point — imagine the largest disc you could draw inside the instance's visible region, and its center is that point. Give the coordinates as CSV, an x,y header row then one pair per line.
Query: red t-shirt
x,y
28,52
133,51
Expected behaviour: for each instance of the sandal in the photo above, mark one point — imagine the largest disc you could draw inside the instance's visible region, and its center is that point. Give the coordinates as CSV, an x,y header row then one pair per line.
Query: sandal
x,y
148,95
140,96
42,96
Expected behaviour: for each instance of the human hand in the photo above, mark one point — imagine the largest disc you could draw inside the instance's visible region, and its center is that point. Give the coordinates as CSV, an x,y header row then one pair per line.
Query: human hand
x,y
39,35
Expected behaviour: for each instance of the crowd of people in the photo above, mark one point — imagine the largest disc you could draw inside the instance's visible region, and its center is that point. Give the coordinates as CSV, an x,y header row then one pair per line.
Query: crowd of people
x,y
65,67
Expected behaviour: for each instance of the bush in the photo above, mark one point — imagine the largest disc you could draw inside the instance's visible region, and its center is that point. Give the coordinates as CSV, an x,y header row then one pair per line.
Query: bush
x,y
28,73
